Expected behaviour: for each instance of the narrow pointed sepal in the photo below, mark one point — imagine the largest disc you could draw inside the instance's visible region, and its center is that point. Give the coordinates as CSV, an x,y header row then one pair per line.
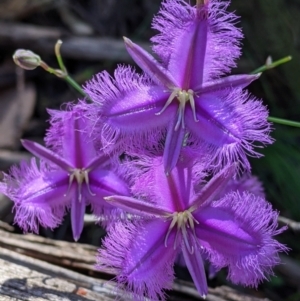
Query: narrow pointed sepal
x,y
103,183
230,82
213,188
97,161
78,205
231,124
150,66
46,154
195,265
38,195
173,146
136,206
144,264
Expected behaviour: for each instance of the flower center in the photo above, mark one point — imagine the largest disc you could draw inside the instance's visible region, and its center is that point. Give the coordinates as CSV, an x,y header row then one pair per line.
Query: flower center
x,y
184,221
81,176
183,96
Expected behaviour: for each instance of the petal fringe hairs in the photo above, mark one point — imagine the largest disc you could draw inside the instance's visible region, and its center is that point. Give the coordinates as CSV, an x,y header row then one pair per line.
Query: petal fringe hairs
x,y
141,153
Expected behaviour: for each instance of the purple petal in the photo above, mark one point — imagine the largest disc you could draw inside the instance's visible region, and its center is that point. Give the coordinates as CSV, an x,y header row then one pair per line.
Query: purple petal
x,y
173,146
97,161
195,266
172,19
78,145
69,135
104,183
171,192
212,271
216,124
46,154
150,66
229,125
78,205
107,182
188,56
229,82
147,265
237,231
128,107
38,194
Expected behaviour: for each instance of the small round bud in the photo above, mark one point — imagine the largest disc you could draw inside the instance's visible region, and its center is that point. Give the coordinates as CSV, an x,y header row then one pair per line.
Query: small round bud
x,y
269,61
26,59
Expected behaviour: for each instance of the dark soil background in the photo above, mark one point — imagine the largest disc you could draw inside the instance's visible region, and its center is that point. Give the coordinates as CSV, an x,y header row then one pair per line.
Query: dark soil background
x,y
92,33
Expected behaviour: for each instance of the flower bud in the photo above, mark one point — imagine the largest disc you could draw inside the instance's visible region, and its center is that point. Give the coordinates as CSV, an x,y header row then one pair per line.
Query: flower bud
x,y
269,61
26,59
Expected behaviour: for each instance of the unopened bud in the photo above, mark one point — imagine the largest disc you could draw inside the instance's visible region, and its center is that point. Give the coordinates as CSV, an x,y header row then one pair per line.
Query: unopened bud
x,y
26,59
269,61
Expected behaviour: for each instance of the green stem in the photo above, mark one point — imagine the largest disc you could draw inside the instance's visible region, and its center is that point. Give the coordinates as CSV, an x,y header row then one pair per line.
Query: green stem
x,y
72,82
59,57
272,65
284,121
63,68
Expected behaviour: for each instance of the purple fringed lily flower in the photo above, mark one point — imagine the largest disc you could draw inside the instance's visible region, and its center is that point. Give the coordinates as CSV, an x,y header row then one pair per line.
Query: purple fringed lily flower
x,y
235,231
71,176
184,96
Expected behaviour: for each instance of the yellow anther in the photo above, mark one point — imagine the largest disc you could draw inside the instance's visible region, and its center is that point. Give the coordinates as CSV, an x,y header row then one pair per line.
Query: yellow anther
x,y
184,221
183,97
81,176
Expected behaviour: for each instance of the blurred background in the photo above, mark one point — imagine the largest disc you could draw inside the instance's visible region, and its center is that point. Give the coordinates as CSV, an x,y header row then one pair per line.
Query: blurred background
x,y
91,31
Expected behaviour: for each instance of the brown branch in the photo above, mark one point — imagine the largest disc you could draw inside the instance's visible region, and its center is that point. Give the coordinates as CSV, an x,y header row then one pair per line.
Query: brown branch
x,y
47,269
42,39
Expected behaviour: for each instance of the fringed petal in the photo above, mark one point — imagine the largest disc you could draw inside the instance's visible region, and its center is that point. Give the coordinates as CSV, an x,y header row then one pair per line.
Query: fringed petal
x,y
229,82
39,195
237,231
46,154
245,183
143,263
69,135
104,183
173,146
135,206
126,109
108,182
214,52
168,191
229,125
29,216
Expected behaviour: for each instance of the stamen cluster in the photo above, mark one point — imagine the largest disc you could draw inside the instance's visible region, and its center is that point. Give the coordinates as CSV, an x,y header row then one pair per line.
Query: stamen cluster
x,y
183,97
81,176
184,221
